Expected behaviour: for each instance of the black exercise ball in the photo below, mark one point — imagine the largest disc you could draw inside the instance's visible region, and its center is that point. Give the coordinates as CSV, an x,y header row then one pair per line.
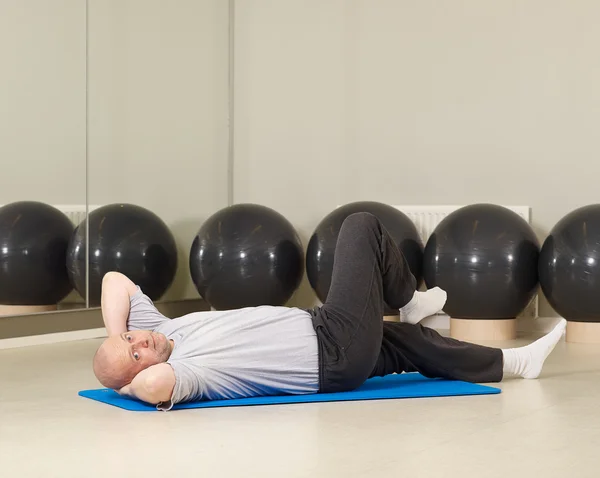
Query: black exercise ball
x,y
321,247
569,265
128,239
33,249
486,257
246,255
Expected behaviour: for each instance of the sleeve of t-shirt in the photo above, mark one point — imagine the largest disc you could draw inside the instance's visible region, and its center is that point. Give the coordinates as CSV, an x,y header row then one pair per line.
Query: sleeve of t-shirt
x,y
189,386
143,315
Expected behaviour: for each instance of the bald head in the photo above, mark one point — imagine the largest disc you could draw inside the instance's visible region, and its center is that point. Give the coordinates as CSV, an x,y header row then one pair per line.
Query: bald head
x,y
121,357
111,365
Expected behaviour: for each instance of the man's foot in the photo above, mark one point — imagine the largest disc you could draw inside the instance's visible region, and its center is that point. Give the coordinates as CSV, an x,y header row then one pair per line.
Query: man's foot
x,y
423,304
528,361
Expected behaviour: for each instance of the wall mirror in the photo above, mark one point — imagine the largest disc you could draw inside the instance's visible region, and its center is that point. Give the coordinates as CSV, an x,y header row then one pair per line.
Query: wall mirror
x,y
114,137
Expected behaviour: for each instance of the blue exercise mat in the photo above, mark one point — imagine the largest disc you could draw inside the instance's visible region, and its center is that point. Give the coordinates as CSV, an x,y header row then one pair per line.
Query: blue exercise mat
x,y
409,385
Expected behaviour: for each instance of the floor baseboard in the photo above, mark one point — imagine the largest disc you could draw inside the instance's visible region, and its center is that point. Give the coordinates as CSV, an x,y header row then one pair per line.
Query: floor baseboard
x,y
45,339
526,327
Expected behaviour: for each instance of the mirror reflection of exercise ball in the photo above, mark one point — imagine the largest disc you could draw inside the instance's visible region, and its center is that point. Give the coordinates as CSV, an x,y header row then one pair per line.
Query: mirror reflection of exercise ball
x,y
246,255
486,257
569,269
124,238
321,247
33,248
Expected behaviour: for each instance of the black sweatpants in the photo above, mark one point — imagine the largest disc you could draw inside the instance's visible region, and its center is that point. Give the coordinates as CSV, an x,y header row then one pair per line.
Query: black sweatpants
x,y
354,341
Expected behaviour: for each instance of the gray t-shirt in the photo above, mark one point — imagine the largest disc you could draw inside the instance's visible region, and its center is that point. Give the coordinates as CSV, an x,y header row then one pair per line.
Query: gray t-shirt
x,y
247,352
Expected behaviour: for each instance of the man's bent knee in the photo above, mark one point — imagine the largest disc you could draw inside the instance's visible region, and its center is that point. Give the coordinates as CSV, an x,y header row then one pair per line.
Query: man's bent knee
x,y
361,221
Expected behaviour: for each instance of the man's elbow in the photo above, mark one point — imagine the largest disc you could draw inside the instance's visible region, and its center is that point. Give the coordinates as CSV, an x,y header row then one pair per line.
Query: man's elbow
x,y
157,390
116,280
112,276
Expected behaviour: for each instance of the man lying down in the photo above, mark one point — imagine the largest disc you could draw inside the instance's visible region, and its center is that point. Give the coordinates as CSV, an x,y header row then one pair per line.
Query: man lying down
x,y
267,350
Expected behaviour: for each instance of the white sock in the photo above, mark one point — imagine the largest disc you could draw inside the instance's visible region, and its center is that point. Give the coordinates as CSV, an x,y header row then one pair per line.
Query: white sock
x,y
423,304
527,361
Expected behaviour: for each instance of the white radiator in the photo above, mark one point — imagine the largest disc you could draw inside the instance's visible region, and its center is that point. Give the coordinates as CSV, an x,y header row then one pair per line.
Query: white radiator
x,y
426,218
75,212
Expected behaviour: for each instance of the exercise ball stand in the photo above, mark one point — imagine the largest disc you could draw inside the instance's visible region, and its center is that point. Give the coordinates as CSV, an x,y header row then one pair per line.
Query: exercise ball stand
x,y
472,330
583,332
6,310
392,318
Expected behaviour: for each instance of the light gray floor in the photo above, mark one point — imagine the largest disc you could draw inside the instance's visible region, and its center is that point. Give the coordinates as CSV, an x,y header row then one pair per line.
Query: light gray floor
x,y
547,427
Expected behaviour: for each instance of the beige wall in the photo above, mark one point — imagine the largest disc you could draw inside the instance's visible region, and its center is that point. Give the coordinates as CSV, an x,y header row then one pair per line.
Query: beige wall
x,y
336,100
158,112
42,101
417,103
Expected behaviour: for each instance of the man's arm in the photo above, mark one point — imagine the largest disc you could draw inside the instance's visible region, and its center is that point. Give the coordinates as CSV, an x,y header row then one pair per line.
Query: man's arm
x,y
152,385
117,290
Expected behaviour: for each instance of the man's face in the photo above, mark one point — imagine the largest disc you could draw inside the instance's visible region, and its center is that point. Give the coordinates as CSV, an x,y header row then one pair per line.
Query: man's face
x,y
142,348
122,357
